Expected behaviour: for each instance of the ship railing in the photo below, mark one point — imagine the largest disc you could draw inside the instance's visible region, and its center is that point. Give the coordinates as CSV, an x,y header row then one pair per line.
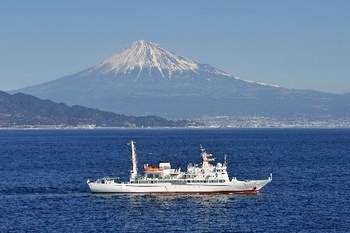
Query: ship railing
x,y
107,178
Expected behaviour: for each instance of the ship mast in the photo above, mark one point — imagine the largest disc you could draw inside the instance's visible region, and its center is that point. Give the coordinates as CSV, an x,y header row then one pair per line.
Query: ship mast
x,y
206,159
133,172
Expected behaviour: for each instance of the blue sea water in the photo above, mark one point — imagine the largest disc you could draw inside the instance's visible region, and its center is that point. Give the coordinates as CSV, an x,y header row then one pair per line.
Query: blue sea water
x,y
43,181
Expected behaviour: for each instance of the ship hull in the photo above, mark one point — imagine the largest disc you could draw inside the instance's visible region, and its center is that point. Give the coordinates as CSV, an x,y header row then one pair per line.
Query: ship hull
x,y
237,187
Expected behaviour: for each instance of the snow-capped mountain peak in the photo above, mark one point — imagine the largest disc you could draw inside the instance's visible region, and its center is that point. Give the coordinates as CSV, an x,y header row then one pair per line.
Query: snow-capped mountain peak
x,y
145,79
145,55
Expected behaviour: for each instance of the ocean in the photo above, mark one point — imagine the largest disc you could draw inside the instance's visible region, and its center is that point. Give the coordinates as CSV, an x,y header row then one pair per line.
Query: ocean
x,y
43,180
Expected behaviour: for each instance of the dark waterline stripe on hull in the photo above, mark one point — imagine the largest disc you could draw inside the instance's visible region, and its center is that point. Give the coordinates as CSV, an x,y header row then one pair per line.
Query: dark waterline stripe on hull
x,y
165,193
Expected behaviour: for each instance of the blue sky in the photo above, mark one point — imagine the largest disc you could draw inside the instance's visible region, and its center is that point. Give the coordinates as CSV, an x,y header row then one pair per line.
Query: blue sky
x,y
299,44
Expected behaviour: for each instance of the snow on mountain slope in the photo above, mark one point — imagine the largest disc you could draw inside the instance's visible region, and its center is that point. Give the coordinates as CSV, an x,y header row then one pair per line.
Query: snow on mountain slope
x,y
144,56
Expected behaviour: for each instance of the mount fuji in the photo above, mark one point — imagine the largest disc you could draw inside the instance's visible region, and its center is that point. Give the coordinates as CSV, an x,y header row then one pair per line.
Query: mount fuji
x,y
146,79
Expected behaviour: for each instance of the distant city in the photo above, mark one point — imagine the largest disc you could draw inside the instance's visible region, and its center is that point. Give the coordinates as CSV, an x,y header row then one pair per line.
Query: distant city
x,y
267,122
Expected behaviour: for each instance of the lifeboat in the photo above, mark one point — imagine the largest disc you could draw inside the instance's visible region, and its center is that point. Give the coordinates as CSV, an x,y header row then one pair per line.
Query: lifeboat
x,y
152,169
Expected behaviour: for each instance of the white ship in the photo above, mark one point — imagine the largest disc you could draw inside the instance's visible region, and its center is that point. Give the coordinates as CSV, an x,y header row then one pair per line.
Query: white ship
x,y
206,178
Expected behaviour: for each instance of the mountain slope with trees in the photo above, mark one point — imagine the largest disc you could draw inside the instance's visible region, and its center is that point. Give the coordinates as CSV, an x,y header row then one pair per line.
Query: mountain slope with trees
x,y
21,109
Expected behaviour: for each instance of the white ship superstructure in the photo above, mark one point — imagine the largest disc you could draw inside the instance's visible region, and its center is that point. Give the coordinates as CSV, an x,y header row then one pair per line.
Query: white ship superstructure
x,y
206,178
